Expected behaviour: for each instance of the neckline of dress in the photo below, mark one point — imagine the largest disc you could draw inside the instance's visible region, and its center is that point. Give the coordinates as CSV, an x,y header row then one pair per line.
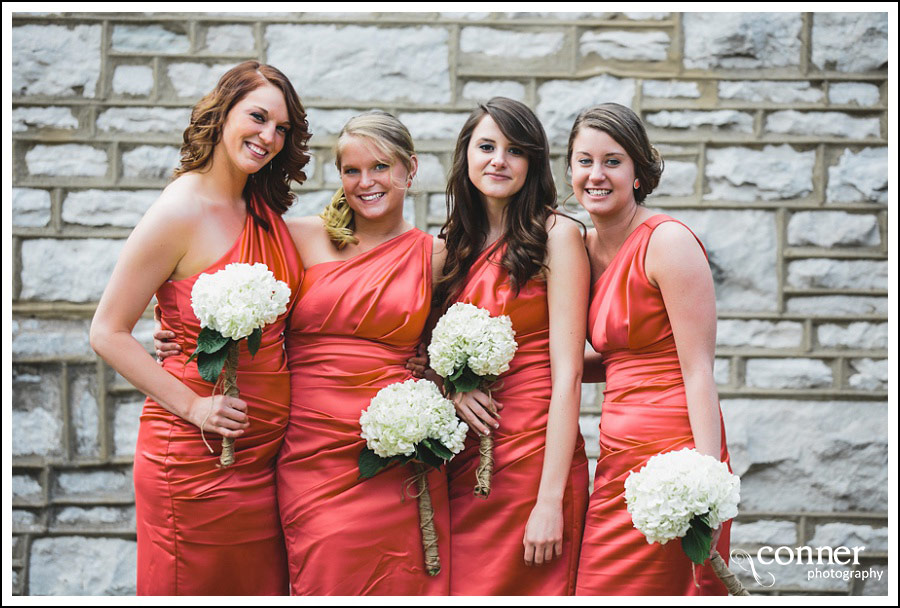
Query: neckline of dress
x,y
367,251
624,243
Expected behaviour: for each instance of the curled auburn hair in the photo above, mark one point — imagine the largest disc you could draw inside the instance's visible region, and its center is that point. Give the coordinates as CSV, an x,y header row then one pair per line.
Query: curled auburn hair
x,y
525,232
624,126
272,183
391,140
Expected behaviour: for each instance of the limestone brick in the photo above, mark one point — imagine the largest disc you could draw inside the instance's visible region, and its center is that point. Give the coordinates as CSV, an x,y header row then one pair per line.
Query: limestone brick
x,y
150,162
560,101
69,67
776,91
509,44
107,207
853,335
144,120
859,177
133,80
850,42
837,124
148,39
54,117
66,160
858,93
741,40
833,229
76,565
626,46
68,270
30,207
745,175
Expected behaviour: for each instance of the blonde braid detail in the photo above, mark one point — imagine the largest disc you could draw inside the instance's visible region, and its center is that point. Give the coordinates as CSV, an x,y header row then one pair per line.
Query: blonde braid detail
x,y
338,218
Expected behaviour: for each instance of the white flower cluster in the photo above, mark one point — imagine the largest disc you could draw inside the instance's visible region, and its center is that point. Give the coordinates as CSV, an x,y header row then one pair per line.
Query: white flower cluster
x,y
673,487
239,298
405,413
468,335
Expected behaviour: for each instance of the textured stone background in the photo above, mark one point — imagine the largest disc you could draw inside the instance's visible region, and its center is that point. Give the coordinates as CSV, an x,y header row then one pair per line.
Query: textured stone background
x,y
774,128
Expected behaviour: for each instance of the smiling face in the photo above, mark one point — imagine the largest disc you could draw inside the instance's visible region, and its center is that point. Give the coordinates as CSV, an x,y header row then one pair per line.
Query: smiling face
x,y
497,167
602,173
254,129
374,186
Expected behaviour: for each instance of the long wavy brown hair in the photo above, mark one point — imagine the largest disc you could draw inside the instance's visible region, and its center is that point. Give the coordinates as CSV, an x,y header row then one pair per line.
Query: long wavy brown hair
x,y
525,233
272,183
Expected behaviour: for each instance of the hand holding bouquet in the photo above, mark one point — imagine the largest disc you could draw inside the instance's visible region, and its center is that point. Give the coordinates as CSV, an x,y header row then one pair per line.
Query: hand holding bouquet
x,y
232,304
685,494
412,422
470,349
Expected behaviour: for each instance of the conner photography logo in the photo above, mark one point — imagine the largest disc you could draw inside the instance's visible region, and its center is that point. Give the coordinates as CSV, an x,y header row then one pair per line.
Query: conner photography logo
x,y
822,563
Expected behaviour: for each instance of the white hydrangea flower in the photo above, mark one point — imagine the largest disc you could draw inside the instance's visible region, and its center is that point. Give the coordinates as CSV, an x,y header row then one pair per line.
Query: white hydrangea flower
x,y
403,414
469,335
238,299
674,487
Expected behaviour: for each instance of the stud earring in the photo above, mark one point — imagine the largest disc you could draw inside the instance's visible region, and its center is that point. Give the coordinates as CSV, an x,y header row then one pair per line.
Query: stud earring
x,y
637,184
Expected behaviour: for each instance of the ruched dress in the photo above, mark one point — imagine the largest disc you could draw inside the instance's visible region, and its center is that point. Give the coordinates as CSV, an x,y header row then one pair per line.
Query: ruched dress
x,y
201,529
644,413
486,534
351,334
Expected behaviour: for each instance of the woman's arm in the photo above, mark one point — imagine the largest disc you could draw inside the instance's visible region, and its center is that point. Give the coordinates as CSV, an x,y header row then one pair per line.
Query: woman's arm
x,y
676,264
568,276
149,257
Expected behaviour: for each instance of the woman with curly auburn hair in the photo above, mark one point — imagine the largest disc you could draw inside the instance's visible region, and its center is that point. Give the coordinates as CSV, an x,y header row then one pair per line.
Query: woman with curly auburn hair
x,y
201,529
652,319
508,251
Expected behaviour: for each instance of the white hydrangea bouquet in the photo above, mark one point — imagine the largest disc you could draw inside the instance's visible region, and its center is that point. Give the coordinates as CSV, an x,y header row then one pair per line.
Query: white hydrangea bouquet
x,y
470,349
232,304
412,422
685,494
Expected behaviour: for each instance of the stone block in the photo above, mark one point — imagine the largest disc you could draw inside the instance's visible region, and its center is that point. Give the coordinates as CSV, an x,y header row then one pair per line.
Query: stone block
x,y
144,120
26,521
741,40
678,179
107,207
859,335
814,578
53,117
36,411
722,371
437,206
310,203
126,423
30,207
842,534
50,337
626,46
776,91
433,125
859,178
589,394
194,80
154,39
833,229
668,89
747,175
560,101
647,16
84,411
27,488
725,120
858,93
590,430
76,565
230,39
819,456
95,484
508,44
66,160
836,124
756,333
67,270
69,67
850,42
741,249
329,122
133,80
876,582
479,91
770,532
838,274
431,174
359,55
150,162
869,374
838,305
788,373
93,518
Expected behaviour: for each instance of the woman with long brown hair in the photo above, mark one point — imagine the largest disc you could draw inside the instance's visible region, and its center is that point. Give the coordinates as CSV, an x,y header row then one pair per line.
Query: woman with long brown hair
x,y
510,252
203,530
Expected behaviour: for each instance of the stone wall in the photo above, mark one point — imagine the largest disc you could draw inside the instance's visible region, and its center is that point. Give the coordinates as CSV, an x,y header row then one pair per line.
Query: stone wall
x,y
774,129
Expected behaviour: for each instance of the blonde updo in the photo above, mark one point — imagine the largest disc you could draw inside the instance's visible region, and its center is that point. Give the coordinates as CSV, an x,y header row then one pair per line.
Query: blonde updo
x,y
393,143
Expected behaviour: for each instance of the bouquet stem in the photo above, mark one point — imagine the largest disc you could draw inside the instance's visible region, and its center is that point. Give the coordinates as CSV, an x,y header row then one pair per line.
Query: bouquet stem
x,y
727,577
230,389
426,522
485,467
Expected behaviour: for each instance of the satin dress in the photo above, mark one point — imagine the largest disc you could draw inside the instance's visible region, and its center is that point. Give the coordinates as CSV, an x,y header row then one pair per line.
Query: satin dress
x,y
486,534
201,529
644,413
351,334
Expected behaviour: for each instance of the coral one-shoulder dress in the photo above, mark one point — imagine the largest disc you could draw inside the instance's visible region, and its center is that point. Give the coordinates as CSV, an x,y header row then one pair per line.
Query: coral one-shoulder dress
x,y
486,534
644,413
351,334
201,529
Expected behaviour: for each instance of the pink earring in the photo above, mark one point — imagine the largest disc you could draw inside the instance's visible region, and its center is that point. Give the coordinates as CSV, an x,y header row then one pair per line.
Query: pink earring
x,y
637,184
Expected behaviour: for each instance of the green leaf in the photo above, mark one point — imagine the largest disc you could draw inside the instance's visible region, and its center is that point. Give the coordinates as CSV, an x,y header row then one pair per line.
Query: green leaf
x,y
438,448
467,381
210,340
424,454
211,364
254,341
697,541
456,374
371,463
